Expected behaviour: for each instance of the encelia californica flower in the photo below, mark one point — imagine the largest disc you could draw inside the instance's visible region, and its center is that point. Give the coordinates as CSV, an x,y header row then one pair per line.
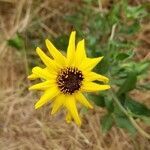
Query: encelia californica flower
x,y
65,79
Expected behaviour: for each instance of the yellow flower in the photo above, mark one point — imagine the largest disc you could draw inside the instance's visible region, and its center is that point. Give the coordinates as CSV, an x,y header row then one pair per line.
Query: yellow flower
x,y
64,79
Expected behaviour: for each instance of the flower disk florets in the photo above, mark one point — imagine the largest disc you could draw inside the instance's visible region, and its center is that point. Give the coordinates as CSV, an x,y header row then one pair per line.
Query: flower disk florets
x,y
69,80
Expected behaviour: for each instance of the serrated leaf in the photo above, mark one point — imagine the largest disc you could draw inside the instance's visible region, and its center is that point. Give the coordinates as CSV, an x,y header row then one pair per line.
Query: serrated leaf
x,y
136,107
106,123
123,122
129,84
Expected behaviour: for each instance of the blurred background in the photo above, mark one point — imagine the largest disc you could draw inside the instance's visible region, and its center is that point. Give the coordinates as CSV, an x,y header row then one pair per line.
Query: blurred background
x,y
24,25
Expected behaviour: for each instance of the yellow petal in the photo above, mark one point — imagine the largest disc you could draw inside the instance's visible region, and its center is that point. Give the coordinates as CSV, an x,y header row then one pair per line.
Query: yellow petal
x,y
51,64
42,86
80,53
89,63
35,76
71,106
43,73
81,98
92,76
47,96
71,48
68,117
60,59
93,87
58,102
32,77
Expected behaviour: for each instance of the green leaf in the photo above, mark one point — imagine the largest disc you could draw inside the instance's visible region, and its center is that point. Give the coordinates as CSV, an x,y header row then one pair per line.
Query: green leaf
x,y
122,56
146,119
103,67
16,42
118,112
136,107
135,12
143,118
97,99
118,82
119,44
109,104
114,14
142,67
123,122
106,123
130,29
129,84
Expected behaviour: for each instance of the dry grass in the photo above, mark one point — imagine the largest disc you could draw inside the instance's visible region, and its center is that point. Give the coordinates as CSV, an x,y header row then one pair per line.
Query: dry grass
x,y
22,127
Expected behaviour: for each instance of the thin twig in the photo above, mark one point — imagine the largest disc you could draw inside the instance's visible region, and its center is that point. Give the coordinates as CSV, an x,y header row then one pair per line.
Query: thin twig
x,y
112,32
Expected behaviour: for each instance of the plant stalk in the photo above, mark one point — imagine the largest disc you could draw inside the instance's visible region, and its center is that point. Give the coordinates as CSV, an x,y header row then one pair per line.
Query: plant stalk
x,y
139,129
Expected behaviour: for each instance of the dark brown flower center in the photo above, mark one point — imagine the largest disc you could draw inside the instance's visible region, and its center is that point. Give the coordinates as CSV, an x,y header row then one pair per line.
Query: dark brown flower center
x,y
69,80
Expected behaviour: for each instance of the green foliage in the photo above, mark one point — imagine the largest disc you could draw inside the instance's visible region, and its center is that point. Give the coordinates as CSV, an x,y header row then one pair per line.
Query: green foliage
x,y
121,56
145,119
123,122
106,123
109,104
109,34
133,28
136,107
142,67
16,42
97,99
129,83
135,12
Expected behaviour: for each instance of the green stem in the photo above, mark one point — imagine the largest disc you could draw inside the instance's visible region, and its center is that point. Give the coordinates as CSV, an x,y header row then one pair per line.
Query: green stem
x,y
139,129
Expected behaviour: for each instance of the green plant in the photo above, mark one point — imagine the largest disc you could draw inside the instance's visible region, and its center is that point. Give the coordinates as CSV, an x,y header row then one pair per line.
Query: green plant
x,y
109,34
